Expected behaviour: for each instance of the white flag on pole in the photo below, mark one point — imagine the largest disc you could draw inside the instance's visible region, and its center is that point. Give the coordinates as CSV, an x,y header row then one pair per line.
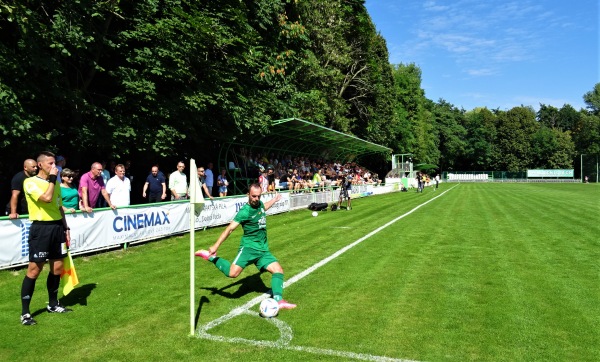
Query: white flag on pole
x,y
196,204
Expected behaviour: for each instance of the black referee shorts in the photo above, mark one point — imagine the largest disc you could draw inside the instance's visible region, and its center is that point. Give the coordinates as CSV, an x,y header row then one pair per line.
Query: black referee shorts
x,y
47,241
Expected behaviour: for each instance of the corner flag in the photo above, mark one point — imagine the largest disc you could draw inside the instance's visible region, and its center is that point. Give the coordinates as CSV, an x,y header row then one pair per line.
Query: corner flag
x,y
68,278
196,204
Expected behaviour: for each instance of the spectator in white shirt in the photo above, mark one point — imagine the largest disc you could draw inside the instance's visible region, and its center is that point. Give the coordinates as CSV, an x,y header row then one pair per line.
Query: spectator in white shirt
x,y
178,183
119,187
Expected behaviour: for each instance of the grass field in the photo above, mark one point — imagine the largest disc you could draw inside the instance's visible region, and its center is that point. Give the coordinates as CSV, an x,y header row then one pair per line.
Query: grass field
x,y
471,272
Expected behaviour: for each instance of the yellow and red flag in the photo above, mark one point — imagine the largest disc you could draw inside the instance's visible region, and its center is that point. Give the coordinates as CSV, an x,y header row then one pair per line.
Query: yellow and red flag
x,y
68,278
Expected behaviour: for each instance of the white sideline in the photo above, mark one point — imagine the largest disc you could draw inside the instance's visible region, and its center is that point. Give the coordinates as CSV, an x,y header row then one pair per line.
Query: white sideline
x,y
286,331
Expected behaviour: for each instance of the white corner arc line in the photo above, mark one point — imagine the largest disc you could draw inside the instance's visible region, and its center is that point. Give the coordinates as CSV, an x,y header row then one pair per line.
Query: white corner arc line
x,y
203,330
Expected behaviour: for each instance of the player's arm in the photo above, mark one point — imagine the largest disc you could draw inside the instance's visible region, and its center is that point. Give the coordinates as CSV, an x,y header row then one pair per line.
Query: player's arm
x,y
271,202
224,235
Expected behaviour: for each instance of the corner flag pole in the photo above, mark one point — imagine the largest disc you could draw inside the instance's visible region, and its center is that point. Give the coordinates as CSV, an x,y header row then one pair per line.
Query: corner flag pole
x,y
196,206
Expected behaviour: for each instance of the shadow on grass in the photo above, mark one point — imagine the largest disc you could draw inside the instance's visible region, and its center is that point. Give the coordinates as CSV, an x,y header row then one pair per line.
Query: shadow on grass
x,y
203,300
247,285
78,295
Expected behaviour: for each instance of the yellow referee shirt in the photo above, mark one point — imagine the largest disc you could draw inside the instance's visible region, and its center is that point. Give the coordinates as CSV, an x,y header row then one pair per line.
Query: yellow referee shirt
x,y
34,187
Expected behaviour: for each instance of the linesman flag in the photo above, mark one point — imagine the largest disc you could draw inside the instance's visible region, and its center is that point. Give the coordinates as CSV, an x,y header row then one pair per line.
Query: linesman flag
x,y
68,278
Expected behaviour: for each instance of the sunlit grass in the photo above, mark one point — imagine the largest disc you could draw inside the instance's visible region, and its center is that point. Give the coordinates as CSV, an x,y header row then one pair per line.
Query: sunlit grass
x,y
490,272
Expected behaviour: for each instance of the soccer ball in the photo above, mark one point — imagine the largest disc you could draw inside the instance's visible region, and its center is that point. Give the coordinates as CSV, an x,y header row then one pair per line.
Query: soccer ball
x,y
315,214
269,308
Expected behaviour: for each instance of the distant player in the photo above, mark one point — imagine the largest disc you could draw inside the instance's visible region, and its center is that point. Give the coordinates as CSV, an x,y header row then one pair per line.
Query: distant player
x,y
254,247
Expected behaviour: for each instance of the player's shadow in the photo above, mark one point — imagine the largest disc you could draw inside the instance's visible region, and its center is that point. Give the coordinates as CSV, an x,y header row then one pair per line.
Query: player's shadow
x,y
250,284
79,295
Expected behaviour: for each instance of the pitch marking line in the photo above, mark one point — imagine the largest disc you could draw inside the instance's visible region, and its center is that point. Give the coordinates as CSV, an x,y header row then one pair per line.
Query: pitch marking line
x,y
285,330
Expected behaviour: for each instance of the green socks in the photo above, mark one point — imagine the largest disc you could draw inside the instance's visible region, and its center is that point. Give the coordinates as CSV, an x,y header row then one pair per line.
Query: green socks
x,y
277,286
223,265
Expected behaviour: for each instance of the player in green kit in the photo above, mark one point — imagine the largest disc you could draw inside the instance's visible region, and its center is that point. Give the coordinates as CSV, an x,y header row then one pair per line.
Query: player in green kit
x,y
254,247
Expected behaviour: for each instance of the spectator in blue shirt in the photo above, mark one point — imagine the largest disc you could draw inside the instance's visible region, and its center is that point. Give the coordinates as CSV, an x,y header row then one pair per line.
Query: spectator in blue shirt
x,y
155,187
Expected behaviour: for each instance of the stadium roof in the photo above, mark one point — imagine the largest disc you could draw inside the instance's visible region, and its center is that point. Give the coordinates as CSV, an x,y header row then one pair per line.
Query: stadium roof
x,y
299,137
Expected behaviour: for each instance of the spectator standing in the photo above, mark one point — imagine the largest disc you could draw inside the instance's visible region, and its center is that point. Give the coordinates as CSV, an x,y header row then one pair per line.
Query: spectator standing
x,y
106,175
296,180
254,246
61,162
68,192
202,178
223,183
18,204
119,188
91,185
49,235
345,191
178,183
156,186
209,178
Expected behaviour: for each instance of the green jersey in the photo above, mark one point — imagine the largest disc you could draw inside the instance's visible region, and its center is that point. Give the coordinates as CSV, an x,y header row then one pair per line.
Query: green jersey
x,y
254,223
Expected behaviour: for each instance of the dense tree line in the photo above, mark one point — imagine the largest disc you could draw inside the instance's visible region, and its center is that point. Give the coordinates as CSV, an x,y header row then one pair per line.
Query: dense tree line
x,y
168,77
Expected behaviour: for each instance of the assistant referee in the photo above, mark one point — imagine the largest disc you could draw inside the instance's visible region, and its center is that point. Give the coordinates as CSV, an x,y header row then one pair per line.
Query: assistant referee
x,y
48,235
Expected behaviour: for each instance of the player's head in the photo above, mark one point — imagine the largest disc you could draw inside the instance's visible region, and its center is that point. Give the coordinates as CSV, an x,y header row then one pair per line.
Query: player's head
x,y
254,195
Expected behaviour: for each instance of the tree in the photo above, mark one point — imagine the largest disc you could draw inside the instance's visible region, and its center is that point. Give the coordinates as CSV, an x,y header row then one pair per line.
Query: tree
x,y
587,134
450,134
409,105
592,99
552,149
480,124
515,130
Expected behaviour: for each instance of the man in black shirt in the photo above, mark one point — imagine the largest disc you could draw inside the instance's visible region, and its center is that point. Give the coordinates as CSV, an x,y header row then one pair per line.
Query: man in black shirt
x,y
17,204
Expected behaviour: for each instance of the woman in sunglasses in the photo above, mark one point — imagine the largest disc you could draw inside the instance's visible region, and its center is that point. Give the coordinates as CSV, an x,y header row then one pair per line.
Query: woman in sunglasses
x,y
70,197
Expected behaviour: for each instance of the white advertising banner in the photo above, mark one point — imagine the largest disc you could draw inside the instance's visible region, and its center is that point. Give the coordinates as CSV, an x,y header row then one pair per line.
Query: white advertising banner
x,y
110,228
550,173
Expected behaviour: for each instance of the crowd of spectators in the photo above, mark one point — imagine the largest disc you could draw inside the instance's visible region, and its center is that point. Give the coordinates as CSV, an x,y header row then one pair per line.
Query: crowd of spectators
x,y
301,174
110,184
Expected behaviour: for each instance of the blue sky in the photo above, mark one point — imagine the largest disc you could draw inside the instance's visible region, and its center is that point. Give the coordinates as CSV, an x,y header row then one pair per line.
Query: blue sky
x,y
492,53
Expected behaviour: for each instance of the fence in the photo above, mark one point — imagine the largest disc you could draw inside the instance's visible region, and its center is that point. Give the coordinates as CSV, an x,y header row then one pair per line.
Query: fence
x,y
499,176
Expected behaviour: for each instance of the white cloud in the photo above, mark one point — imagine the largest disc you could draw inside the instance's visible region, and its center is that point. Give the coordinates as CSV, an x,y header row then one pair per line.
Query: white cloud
x,y
431,6
481,72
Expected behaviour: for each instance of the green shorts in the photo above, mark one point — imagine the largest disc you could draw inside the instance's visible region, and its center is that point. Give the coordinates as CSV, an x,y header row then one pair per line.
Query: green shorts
x,y
247,256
